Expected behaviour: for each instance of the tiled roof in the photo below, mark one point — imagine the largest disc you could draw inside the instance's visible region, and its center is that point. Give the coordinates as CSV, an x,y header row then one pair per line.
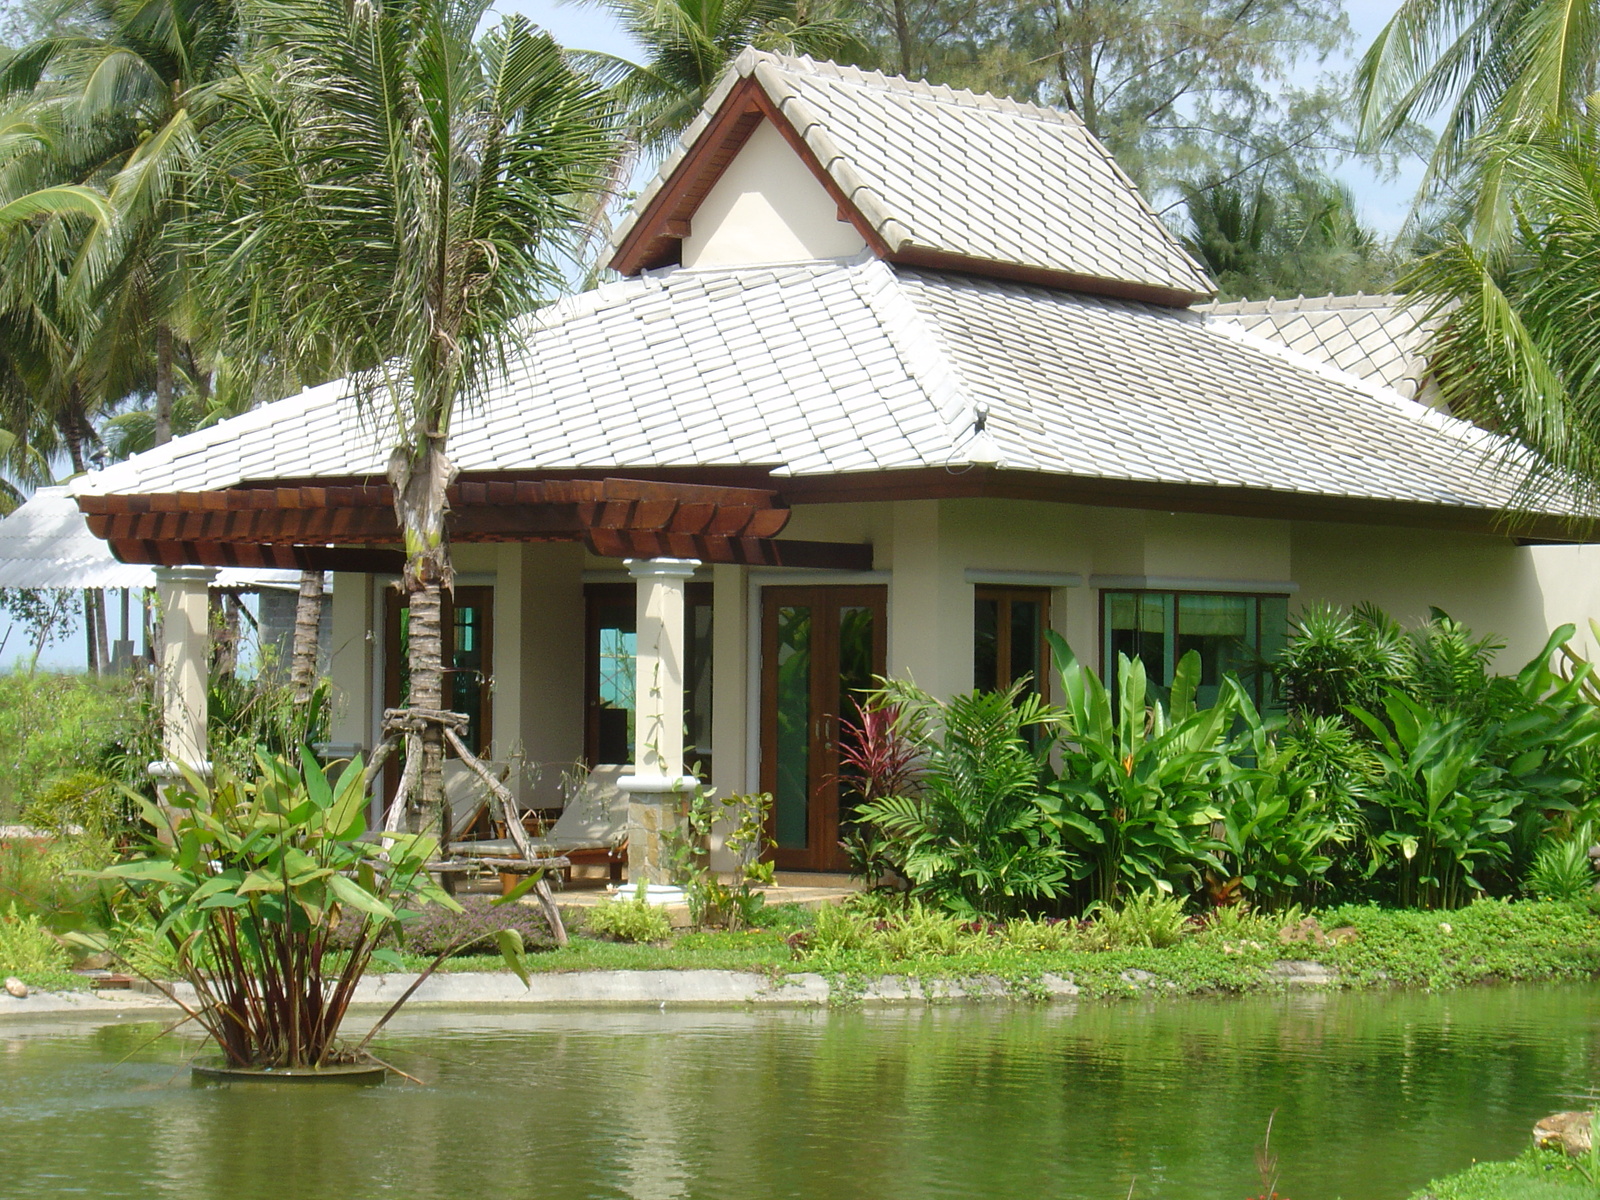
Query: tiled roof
x,y
1378,338
1087,386
988,179
828,369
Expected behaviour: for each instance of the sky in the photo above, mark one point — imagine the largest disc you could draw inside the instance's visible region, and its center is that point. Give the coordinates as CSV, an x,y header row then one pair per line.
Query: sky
x,y
1383,202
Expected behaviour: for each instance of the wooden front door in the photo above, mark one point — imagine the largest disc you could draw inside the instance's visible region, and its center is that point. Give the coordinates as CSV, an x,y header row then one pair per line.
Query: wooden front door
x,y
820,648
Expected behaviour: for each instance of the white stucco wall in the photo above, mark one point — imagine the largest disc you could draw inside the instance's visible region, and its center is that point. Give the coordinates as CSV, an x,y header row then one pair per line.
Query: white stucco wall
x,y
929,554
767,208
538,664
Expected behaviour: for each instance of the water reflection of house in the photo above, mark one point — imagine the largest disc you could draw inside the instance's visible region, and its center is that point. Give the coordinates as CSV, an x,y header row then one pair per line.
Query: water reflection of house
x,y
911,375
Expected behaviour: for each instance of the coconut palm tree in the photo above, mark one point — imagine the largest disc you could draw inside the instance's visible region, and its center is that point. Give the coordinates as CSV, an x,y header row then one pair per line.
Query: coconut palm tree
x,y
1485,65
399,190
688,45
1518,347
129,90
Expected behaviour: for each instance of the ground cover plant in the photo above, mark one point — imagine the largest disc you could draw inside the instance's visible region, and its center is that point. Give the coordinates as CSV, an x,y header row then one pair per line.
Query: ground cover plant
x,y
1536,1175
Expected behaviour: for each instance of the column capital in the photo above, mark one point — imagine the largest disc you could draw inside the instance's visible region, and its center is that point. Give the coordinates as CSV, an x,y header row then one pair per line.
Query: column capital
x,y
200,575
661,568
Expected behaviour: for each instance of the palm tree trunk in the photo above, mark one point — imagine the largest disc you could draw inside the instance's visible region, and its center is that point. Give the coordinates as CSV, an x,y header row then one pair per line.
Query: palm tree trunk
x,y
420,479
88,630
902,36
163,385
101,643
307,634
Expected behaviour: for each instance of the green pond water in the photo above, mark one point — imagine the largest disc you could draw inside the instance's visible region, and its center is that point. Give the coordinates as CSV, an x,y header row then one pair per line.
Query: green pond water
x,y
1373,1095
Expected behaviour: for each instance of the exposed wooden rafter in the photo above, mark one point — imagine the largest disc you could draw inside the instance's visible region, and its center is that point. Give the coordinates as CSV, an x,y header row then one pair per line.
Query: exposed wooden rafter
x,y
353,527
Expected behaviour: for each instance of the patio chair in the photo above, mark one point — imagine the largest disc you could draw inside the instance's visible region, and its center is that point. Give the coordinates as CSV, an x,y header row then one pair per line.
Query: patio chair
x,y
593,827
467,796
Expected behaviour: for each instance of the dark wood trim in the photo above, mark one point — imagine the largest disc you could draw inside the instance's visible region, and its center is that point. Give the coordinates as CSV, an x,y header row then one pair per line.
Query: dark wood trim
x,y
924,258
364,560
1005,597
915,484
648,242
656,237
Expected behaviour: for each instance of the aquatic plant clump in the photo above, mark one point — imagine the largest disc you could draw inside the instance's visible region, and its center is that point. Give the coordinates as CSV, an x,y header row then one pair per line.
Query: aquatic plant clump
x,y
248,884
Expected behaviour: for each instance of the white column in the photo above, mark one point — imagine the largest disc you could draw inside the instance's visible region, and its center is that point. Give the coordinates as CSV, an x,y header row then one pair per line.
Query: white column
x,y
185,666
658,712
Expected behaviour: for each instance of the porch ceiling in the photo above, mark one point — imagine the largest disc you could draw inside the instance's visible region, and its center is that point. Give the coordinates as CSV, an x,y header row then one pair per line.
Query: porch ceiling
x,y
354,527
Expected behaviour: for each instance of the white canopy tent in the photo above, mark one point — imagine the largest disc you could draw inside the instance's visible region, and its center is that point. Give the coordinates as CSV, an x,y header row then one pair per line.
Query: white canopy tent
x,y
46,543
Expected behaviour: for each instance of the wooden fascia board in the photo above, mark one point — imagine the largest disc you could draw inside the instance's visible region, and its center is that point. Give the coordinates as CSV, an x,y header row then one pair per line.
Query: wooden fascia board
x,y
1059,281
978,482
697,174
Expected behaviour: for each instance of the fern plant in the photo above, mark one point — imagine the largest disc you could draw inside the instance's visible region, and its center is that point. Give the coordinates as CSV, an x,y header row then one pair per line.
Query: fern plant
x,y
977,835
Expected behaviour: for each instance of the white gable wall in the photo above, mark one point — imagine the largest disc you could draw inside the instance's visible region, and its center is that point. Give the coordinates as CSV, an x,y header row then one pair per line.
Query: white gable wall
x,y
767,209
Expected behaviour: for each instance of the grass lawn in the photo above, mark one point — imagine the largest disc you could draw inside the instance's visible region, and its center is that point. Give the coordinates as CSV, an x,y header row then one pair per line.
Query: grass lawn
x,y
1485,942
1537,1175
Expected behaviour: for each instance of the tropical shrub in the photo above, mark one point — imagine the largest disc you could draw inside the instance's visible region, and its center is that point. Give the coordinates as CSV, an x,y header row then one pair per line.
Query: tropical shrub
x,y
1145,919
1334,659
631,920
1439,808
82,802
54,726
686,851
1135,791
879,757
977,837
247,882
1270,840
45,878
258,714
28,948
1562,869
1041,934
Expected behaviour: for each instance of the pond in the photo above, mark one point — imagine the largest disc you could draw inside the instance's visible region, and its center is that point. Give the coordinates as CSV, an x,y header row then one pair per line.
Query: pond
x,y
1373,1095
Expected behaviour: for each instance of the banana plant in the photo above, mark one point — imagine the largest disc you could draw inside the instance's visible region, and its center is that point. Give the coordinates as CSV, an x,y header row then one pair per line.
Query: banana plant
x,y
1136,779
247,880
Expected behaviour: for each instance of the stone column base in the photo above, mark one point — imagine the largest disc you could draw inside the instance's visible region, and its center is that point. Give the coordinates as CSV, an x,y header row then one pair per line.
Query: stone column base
x,y
652,811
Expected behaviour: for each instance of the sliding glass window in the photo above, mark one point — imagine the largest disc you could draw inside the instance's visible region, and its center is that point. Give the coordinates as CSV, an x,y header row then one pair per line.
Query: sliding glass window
x,y
1233,633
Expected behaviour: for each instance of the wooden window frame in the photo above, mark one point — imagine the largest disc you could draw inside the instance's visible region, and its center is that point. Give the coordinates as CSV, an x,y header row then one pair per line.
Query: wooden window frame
x,y
625,594
1005,597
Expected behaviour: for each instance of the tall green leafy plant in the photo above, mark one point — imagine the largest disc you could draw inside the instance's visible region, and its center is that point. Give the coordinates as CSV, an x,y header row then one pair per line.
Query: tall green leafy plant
x,y
977,834
1441,810
247,884
1272,837
1135,786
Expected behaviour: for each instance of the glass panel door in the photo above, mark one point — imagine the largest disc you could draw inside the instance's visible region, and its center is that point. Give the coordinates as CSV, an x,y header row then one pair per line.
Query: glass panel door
x,y
821,648
791,793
